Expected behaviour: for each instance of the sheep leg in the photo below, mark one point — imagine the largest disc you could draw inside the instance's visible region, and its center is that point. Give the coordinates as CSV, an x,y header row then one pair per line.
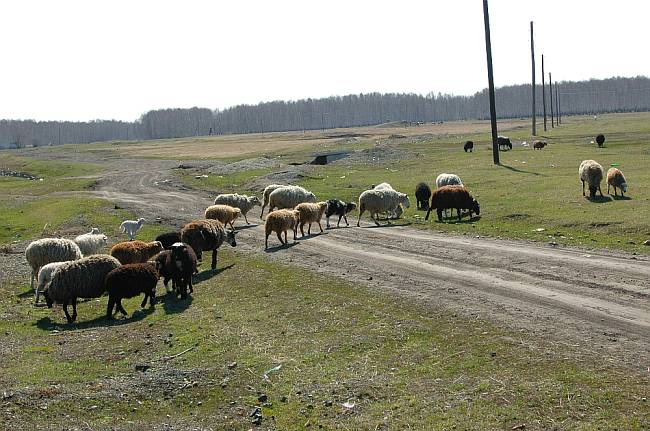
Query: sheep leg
x,y
214,259
280,237
583,187
144,301
119,307
246,218
152,298
262,213
346,220
459,216
361,211
327,220
109,308
232,226
266,242
302,232
601,192
309,229
286,241
608,189
375,218
32,286
428,212
67,315
320,226
439,211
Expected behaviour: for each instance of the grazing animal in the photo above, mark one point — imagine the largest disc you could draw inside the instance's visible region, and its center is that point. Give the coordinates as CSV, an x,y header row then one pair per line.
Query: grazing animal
x,y
448,180
206,235
129,281
83,278
181,264
265,196
398,210
289,197
591,172
224,213
47,250
380,201
455,196
469,146
131,227
165,273
280,221
616,179
135,251
538,145
91,243
600,140
167,239
504,143
45,276
339,208
422,196
311,213
243,202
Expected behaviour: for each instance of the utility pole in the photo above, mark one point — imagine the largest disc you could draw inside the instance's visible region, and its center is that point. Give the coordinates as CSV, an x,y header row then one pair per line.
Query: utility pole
x,y
550,90
493,109
532,56
557,104
559,111
543,93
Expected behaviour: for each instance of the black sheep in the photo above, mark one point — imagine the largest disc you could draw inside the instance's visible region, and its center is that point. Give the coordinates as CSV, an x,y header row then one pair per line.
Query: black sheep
x,y
339,208
128,281
453,197
422,195
600,140
168,239
164,272
504,143
469,146
181,262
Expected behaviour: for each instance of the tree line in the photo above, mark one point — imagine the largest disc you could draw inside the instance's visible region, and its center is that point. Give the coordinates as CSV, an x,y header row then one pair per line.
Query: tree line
x,y
616,94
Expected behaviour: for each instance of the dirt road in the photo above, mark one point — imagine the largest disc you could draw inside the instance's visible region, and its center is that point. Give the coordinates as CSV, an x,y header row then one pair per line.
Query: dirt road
x,y
596,302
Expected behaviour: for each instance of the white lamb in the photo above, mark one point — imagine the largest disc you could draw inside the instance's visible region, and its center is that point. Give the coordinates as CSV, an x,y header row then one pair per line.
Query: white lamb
x,y
131,227
243,202
380,201
45,276
91,243
289,197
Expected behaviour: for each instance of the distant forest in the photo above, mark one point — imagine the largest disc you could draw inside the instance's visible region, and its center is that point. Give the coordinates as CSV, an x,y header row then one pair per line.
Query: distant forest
x,y
582,97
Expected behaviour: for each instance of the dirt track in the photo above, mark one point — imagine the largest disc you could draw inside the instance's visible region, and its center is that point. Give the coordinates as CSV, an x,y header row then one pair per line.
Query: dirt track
x,y
597,302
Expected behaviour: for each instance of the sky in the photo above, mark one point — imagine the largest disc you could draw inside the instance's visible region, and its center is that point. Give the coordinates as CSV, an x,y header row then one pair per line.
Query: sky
x,y
95,59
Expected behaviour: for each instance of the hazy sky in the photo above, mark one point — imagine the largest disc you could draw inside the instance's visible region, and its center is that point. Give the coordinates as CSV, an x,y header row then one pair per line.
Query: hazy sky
x,y
82,60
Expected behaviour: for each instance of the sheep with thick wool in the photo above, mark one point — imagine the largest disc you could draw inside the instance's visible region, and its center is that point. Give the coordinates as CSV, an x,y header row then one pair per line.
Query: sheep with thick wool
x,y
168,239
616,179
339,208
131,227
181,263
422,196
281,221
45,276
129,281
83,278
448,180
450,197
206,235
135,251
381,201
91,243
311,213
288,197
224,213
591,172
47,250
243,202
396,212
265,196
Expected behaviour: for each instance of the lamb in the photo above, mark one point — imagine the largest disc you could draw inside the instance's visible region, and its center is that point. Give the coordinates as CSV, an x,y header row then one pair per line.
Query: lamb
x,y
205,235
280,221
167,239
448,180
600,140
91,243
453,197
616,179
591,172
128,281
131,227
379,201
135,251
83,278
339,208
422,195
181,264
289,197
224,213
311,213
504,143
243,202
45,276
538,145
469,146
265,196
47,250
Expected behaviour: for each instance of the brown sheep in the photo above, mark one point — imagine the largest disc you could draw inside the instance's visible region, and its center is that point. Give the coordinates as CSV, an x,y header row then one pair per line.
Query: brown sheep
x,y
280,221
616,179
135,251
311,213
453,197
538,145
224,213
206,235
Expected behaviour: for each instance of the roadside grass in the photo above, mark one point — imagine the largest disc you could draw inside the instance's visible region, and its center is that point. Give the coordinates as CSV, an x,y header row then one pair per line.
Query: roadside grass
x,y
394,364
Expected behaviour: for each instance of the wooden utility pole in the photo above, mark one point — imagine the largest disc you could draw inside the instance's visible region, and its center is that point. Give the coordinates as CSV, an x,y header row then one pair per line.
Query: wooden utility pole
x,y
493,109
550,90
559,111
532,56
543,93
557,104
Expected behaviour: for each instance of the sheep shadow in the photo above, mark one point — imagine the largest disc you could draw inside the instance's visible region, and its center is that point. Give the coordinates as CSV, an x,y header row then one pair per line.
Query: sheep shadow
x,y
281,247
172,304
310,236
620,198
374,226
454,220
599,199
26,294
47,324
521,171
246,226
208,274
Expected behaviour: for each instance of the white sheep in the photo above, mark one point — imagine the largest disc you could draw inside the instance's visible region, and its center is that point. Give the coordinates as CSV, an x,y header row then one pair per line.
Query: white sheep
x,y
45,276
243,202
47,250
383,186
395,213
592,172
448,180
91,243
131,227
289,197
265,196
380,201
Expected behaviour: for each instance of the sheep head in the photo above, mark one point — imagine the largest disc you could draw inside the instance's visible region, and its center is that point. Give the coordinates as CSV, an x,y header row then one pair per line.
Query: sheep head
x,y
351,206
255,201
311,197
476,208
48,298
230,237
404,200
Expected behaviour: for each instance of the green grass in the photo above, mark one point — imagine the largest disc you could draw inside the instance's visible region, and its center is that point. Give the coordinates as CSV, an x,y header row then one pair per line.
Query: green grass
x,y
399,364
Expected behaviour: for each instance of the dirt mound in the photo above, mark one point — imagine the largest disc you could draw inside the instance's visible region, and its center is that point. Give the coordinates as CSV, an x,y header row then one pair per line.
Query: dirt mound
x,y
244,165
377,155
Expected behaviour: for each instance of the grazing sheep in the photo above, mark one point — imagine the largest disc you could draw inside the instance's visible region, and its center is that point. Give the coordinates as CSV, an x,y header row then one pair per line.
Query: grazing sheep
x,y
600,140
455,196
131,227
469,146
591,172
616,179
538,145
224,213
47,250
45,276
167,239
289,197
382,186
380,201
504,143
91,243
83,278
135,251
265,196
94,230
311,213
129,281
164,272
205,235
339,208
280,221
422,195
397,211
448,180
243,202
181,264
